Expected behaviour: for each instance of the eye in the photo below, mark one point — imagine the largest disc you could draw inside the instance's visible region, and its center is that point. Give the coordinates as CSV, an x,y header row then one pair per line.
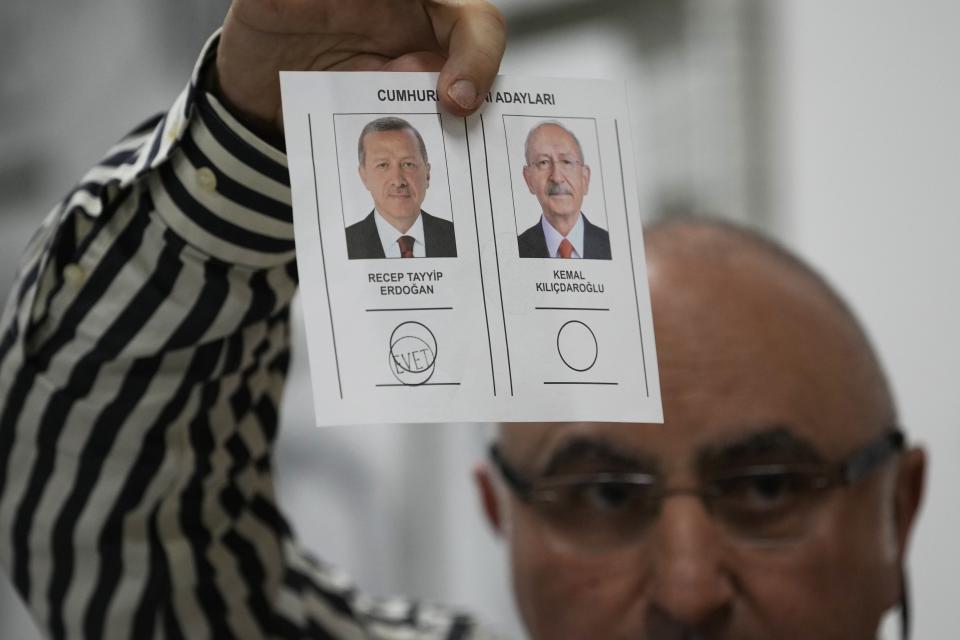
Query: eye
x,y
600,497
769,503
543,164
765,490
408,164
567,163
609,496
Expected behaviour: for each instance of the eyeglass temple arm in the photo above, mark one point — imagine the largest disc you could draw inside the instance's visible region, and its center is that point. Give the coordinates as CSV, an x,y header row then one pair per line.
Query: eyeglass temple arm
x,y
905,618
865,461
520,485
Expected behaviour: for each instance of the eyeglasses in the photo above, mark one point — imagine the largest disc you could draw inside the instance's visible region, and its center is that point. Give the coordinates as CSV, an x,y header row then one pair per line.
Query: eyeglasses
x,y
765,504
565,164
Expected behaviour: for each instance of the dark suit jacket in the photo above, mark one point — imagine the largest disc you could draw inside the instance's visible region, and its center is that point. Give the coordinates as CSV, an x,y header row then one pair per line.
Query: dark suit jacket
x,y
363,238
596,242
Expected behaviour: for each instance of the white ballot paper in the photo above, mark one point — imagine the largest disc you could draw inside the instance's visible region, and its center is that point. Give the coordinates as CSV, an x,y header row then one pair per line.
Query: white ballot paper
x,y
480,269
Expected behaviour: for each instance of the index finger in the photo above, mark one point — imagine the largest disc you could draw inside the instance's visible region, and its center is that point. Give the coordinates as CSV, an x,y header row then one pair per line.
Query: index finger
x,y
474,35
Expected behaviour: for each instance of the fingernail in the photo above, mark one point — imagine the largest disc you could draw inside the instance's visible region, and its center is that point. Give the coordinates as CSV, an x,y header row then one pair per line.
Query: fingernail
x,y
464,93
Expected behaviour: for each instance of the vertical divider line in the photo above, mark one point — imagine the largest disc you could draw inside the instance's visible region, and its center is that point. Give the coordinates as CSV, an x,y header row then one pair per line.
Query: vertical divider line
x,y
633,267
476,228
496,252
323,259
443,140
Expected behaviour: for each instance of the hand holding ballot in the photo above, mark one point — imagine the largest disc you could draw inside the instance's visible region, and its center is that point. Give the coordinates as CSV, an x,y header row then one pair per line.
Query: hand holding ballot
x,y
464,40
139,410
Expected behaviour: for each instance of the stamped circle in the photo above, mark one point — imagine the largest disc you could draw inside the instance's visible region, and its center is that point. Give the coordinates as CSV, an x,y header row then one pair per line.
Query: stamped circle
x,y
413,353
577,345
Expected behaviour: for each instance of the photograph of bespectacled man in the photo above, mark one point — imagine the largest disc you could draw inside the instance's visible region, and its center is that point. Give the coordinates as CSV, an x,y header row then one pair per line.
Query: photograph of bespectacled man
x,y
556,173
395,170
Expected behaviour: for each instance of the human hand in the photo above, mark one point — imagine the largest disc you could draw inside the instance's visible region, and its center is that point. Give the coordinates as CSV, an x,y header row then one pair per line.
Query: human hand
x,y
463,39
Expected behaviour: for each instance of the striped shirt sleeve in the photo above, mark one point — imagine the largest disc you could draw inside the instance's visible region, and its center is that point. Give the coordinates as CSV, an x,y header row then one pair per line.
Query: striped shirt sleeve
x,y
143,352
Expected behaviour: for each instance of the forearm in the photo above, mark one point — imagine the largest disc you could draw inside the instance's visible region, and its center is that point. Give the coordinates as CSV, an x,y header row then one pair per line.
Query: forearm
x,y
142,360
144,350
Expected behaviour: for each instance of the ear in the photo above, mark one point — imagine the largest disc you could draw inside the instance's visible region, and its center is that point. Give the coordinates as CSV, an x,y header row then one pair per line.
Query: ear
x,y
488,496
362,172
528,177
911,480
428,174
586,179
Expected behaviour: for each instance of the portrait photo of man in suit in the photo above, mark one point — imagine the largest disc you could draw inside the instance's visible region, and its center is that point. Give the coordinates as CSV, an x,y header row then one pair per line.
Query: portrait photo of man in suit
x,y
555,172
395,170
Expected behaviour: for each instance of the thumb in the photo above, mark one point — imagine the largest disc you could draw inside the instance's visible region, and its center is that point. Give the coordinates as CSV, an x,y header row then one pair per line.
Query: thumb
x,y
474,36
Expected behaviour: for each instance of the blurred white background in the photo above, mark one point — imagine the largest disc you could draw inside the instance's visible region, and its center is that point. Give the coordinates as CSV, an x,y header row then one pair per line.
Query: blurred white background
x,y
831,125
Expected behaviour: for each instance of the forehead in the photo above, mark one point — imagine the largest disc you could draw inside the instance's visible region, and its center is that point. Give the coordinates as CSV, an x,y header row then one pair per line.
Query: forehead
x,y
552,138
401,142
738,353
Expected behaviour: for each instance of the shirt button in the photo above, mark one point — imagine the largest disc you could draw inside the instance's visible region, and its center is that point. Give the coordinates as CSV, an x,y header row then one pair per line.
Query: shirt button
x,y
207,179
74,275
173,132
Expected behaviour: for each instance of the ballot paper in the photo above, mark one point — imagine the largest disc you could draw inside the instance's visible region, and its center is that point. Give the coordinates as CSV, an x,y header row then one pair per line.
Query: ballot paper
x,y
481,269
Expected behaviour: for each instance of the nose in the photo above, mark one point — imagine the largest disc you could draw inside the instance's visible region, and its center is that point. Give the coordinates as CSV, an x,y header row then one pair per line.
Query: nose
x,y
692,588
555,174
397,176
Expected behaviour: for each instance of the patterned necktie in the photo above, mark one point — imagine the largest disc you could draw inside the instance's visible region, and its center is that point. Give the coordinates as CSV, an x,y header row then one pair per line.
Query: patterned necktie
x,y
406,246
565,250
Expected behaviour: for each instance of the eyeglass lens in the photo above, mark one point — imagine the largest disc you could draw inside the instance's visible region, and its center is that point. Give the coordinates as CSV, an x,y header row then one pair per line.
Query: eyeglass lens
x,y
765,505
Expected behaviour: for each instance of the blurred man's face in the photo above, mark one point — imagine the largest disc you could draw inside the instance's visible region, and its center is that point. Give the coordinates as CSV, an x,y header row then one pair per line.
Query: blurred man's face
x,y
556,175
751,377
396,175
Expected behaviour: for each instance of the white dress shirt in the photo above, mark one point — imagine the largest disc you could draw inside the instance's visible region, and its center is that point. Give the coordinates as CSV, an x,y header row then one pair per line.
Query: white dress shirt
x,y
389,236
553,237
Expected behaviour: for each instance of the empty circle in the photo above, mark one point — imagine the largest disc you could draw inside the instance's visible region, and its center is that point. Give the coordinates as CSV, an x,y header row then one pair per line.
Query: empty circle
x,y
577,345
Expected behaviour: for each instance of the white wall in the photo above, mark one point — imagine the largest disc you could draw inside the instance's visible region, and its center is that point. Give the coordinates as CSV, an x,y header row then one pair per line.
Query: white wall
x,y
868,120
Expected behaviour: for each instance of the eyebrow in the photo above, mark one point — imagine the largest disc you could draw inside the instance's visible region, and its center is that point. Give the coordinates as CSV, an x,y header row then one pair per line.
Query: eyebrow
x,y
777,440
562,154
582,449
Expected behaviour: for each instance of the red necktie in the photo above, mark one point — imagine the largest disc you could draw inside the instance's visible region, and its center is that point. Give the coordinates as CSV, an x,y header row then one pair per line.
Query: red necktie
x,y
406,246
565,249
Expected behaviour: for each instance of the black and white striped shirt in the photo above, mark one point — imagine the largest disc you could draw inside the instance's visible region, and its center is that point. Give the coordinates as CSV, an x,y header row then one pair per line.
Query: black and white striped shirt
x,y
143,353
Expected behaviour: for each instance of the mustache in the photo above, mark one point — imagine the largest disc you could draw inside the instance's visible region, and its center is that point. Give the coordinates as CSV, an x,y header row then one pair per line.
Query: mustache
x,y
554,189
401,190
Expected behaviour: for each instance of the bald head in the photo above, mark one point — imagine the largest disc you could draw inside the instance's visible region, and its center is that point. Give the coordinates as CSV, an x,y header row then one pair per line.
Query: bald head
x,y
763,368
710,243
708,276
727,300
